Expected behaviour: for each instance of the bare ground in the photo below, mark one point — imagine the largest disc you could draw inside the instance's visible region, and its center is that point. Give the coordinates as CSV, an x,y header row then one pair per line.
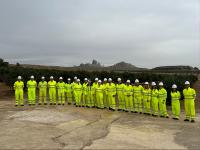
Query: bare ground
x,y
68,127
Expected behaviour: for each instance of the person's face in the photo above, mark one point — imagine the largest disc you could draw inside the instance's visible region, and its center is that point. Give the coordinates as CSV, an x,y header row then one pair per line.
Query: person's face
x,y
153,87
187,86
146,86
174,89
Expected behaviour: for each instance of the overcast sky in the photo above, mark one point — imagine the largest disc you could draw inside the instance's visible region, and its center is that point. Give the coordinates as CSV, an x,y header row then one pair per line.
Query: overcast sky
x,y
146,33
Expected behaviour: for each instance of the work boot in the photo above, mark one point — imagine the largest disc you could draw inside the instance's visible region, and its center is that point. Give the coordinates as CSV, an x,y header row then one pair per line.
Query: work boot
x,y
186,120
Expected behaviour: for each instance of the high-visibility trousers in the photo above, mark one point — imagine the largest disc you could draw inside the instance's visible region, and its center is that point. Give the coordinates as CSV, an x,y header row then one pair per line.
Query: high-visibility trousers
x,y
138,104
52,95
31,96
42,95
112,102
77,97
19,97
83,101
61,96
162,106
189,108
176,108
155,106
121,101
147,105
88,101
105,100
69,97
128,103
99,99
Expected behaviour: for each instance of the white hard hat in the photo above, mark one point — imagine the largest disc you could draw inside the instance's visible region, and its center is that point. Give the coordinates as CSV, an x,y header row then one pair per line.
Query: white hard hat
x,y
174,86
69,79
32,77
61,78
75,78
42,77
136,81
153,83
109,79
99,81
119,79
146,83
161,84
19,77
96,79
128,81
85,79
51,77
105,79
187,82
78,80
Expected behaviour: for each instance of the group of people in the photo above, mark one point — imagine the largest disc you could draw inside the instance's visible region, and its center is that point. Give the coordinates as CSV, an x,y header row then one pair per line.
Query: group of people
x,y
135,98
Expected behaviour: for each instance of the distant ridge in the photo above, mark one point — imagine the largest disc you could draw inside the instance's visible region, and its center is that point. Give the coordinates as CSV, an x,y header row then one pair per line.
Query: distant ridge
x,y
179,67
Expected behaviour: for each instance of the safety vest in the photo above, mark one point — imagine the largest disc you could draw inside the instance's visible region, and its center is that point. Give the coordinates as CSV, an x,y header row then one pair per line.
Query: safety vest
x,y
31,84
189,93
137,90
162,93
68,87
78,88
111,89
85,88
18,85
42,85
154,93
52,84
175,96
60,85
120,88
128,90
147,93
99,89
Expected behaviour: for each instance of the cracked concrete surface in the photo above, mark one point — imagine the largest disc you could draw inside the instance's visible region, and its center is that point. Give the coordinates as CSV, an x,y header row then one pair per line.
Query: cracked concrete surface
x,y
68,127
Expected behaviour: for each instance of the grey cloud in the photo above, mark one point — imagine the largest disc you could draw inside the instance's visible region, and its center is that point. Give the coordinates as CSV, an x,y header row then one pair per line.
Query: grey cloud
x,y
66,32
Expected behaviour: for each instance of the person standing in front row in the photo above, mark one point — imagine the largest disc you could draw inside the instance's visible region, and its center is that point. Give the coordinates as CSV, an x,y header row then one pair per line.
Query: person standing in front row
x,y
175,101
31,85
189,101
52,91
19,91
